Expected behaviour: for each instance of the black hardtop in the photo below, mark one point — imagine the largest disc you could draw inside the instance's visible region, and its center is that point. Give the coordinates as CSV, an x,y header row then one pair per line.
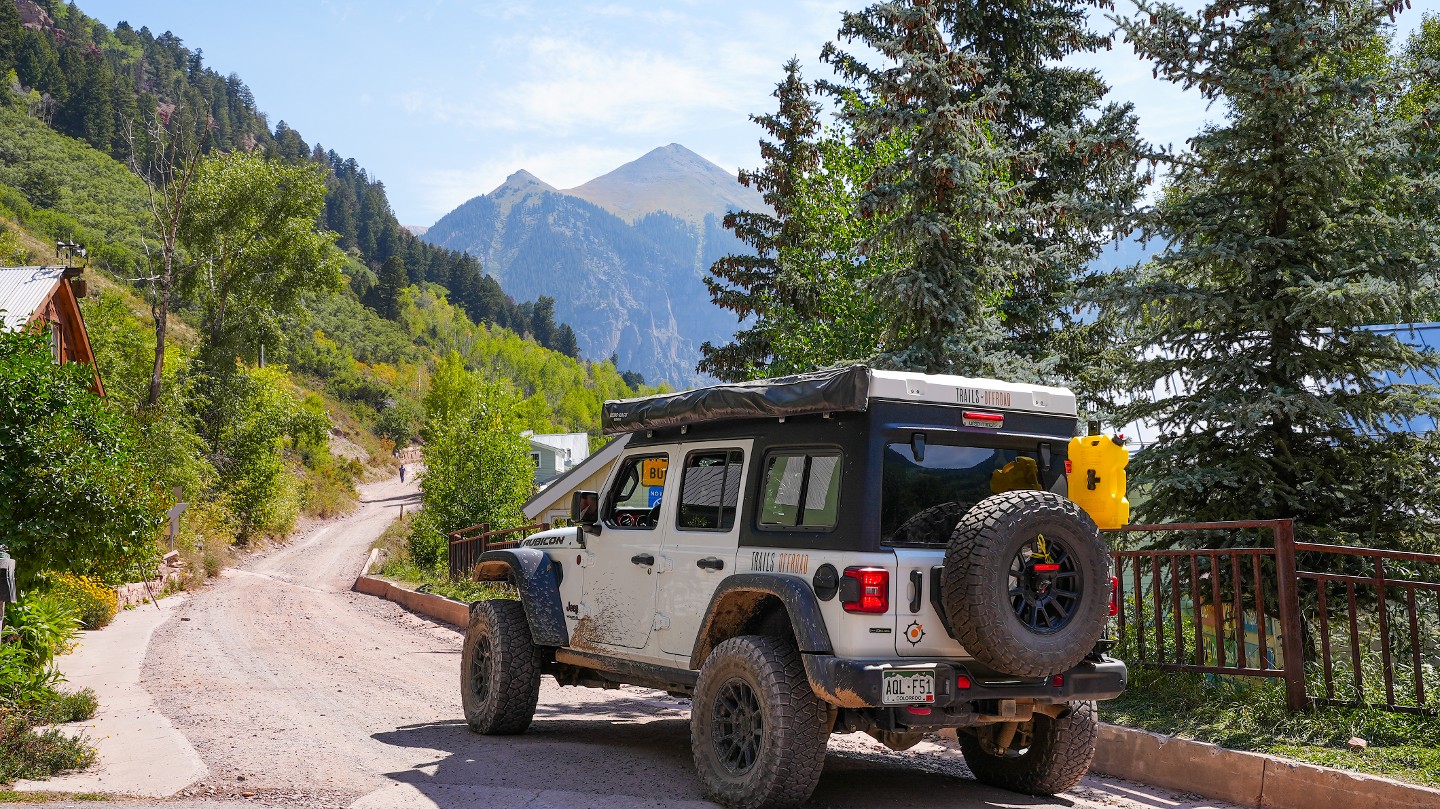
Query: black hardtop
x,y
836,390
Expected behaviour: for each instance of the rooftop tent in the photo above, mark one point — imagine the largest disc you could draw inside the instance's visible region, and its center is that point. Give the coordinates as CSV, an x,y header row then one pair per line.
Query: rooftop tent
x,y
830,391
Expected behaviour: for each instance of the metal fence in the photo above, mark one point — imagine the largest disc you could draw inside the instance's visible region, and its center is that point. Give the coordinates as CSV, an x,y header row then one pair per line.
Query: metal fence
x,y
467,544
1339,625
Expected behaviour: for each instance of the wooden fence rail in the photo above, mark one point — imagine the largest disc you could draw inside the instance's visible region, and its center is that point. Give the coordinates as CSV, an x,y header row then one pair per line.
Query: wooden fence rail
x,y
467,544
1245,599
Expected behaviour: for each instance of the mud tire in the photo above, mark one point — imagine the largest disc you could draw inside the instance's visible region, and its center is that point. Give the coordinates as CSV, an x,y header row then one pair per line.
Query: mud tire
x,y
977,587
749,678
499,669
1059,754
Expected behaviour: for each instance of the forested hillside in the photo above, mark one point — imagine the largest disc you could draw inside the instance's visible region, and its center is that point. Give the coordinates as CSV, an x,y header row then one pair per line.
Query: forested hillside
x,y
272,390
107,87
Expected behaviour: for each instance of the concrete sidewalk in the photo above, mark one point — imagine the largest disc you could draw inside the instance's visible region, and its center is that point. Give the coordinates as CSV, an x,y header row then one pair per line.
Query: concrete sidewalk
x,y
140,751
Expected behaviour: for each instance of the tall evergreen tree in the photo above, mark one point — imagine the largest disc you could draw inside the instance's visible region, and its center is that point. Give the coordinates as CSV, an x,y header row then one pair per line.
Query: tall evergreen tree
x,y
10,33
742,283
387,291
949,199
1292,226
1082,163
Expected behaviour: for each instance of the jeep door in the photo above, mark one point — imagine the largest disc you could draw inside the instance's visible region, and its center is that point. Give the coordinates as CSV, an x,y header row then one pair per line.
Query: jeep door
x,y
618,600
702,534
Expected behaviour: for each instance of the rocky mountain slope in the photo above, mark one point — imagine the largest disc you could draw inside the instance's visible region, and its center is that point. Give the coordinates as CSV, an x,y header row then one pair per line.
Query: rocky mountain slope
x,y
623,255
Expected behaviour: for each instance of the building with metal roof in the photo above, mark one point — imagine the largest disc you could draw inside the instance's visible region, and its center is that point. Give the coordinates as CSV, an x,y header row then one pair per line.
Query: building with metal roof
x,y
45,298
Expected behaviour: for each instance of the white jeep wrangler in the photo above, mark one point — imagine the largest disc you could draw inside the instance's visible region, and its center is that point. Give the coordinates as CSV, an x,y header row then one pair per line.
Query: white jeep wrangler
x,y
845,551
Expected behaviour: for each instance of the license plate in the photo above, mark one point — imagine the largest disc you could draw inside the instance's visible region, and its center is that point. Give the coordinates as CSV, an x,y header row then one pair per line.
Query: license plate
x,y
908,687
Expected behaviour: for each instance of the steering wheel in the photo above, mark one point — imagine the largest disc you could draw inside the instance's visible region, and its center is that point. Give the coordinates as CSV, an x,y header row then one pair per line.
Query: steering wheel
x,y
653,518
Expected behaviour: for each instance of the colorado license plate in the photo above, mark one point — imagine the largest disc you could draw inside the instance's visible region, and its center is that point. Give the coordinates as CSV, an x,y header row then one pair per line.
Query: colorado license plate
x,y
908,687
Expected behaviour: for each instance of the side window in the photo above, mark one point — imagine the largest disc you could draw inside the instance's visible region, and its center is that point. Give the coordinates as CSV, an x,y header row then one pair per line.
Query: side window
x,y
710,490
802,490
634,500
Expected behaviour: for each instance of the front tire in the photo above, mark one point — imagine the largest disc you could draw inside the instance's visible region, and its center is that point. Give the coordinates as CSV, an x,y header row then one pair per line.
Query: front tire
x,y
757,730
499,669
1054,758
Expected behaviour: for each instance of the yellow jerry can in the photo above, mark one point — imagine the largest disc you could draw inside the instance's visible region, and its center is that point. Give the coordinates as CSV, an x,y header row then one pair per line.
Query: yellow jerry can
x,y
1095,473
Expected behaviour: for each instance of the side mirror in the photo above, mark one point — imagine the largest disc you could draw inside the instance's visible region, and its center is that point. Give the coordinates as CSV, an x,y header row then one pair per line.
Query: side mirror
x,y
585,509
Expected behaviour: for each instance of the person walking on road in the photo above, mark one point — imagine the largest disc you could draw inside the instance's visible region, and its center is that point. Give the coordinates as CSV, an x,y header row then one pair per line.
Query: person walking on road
x,y
402,473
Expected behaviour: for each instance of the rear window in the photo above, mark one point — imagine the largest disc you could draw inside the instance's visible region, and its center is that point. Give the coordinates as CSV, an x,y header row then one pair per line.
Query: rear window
x,y
802,490
922,500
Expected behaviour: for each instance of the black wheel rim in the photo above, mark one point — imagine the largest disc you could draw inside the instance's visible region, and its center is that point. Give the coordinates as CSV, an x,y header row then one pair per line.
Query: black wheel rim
x,y
738,726
480,669
1045,585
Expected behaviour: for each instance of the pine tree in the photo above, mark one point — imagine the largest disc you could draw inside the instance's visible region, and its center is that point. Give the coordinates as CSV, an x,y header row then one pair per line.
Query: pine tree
x,y
1292,226
10,34
542,321
1083,162
742,283
948,200
387,292
565,341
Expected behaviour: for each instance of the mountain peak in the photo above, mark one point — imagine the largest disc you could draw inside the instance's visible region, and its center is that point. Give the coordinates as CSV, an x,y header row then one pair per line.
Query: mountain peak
x,y
671,179
522,180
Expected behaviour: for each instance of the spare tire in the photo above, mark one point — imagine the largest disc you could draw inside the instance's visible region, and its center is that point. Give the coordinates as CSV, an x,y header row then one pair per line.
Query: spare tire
x,y
1026,583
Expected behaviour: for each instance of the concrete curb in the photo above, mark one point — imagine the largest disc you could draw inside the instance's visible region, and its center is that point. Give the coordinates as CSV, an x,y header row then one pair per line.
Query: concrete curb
x,y
1247,779
448,610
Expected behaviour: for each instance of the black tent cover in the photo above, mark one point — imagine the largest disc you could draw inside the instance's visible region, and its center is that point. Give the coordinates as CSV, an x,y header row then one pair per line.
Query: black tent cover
x,y
834,390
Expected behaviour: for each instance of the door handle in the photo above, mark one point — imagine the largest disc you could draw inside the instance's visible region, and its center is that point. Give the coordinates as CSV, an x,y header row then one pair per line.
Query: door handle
x,y
916,580
643,559
710,563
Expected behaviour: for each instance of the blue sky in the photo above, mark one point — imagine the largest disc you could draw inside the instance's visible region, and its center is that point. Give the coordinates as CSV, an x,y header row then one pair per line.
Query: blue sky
x,y
442,99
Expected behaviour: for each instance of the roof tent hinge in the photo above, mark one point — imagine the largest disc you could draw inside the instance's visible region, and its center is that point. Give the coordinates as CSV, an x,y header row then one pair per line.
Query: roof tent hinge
x,y
684,429
782,419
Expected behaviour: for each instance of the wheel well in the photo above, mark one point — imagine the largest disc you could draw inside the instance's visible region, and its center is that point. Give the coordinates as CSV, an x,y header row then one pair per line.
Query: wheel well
x,y
743,612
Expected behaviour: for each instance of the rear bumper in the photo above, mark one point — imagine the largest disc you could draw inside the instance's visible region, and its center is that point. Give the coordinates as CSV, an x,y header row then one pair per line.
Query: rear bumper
x,y
859,683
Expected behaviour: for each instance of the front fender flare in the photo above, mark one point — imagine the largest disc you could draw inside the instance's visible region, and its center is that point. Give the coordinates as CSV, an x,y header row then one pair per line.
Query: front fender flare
x,y
739,593
537,577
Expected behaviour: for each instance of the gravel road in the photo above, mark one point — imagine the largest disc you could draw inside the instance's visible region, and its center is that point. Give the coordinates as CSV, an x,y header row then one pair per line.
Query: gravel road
x,y
302,693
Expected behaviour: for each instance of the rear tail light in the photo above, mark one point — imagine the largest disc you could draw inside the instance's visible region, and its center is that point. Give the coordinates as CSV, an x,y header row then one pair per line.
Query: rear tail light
x,y
963,682
865,589
1058,681
1114,596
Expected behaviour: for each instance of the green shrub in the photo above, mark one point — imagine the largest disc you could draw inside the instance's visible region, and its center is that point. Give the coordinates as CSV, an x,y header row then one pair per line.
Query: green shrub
x,y
94,602
28,753
22,683
41,626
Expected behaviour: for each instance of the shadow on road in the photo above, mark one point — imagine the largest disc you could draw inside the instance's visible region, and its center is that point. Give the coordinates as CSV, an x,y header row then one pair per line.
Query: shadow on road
x,y
413,497
640,749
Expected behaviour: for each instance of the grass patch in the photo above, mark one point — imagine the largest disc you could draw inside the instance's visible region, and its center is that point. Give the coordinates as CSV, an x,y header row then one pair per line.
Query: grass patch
x,y
394,563
1250,714
11,796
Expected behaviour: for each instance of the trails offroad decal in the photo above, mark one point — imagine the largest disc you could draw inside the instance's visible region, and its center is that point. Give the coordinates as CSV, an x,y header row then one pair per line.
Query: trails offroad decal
x,y
776,562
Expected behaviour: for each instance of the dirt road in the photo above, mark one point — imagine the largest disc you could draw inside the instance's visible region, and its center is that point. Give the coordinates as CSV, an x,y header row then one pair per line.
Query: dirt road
x,y
299,691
